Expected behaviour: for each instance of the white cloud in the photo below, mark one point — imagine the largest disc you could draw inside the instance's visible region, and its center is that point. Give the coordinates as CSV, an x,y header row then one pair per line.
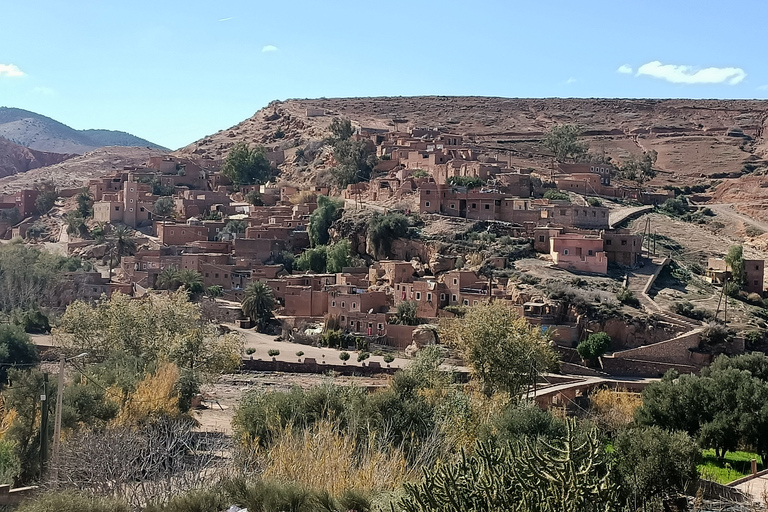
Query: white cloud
x,y
763,87
226,19
570,81
269,48
691,75
10,71
625,69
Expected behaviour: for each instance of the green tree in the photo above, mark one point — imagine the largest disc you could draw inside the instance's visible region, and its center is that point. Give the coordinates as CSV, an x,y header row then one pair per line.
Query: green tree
x,y
327,211
121,243
594,346
253,197
556,195
465,181
75,224
215,291
85,203
168,278
563,141
652,461
315,259
233,228
504,351
47,193
383,229
355,161
407,313
639,169
341,129
735,260
164,207
338,256
15,349
246,166
192,280
258,303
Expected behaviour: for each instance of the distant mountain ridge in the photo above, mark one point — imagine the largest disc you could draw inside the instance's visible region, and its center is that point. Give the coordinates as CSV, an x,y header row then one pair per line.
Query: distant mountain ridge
x,y
41,133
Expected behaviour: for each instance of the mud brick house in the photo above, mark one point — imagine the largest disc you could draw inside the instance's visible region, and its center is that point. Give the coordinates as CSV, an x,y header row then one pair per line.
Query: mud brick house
x,y
390,272
718,271
602,170
580,252
620,246
132,205
429,295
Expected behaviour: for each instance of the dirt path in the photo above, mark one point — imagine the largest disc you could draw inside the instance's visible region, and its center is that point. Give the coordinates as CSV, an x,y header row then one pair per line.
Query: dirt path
x,y
727,210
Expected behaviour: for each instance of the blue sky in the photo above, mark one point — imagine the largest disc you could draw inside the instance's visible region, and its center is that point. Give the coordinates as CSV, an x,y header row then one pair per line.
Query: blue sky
x,y
173,71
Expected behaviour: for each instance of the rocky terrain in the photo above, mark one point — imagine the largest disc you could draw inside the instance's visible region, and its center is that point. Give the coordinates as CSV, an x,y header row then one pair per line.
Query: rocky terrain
x,y
42,133
15,158
75,172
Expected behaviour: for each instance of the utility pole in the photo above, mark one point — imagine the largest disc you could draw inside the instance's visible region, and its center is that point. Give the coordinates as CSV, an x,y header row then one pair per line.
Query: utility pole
x,y
44,425
57,422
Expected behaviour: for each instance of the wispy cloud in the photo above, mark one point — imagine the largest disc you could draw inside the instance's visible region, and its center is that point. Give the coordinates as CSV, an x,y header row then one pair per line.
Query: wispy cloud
x,y
763,87
678,74
570,81
625,69
10,71
269,48
227,19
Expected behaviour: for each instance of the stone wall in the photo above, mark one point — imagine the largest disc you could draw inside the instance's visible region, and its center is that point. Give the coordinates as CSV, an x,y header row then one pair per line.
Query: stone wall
x,y
676,351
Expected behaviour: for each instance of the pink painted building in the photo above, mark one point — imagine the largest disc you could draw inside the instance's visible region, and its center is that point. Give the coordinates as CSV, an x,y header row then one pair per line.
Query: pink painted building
x,y
583,253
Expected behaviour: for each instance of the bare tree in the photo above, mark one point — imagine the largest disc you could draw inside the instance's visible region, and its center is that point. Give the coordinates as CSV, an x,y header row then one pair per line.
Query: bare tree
x,y
142,465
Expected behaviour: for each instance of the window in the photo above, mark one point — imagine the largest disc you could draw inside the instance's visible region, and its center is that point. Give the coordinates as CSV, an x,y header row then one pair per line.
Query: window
x,y
590,253
608,242
354,305
426,204
418,295
429,297
131,209
541,238
380,326
141,209
131,190
623,242
453,206
487,207
206,274
755,282
351,323
426,192
566,252
594,214
474,303
131,201
226,276
216,276
455,281
453,298
171,231
562,212
474,206
342,304
117,208
466,302
442,296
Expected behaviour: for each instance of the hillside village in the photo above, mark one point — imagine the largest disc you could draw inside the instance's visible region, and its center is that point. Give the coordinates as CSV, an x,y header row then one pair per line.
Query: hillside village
x,y
586,272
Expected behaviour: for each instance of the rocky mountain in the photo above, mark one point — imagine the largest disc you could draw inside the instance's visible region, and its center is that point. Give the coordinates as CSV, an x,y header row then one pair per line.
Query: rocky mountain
x,y
42,133
16,159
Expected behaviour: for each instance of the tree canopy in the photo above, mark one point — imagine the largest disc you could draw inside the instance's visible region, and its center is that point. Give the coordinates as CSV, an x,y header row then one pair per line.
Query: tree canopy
x,y
504,351
246,166
563,141
327,211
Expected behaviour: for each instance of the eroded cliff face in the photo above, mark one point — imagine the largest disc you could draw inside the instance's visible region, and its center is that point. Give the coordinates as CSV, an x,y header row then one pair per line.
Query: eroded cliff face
x,y
16,159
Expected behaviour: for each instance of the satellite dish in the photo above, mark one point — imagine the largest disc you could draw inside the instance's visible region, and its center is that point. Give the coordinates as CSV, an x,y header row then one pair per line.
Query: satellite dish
x,y
370,311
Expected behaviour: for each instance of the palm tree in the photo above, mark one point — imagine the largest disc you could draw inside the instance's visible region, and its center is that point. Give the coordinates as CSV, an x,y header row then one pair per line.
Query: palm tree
x,y
258,303
168,278
120,244
192,280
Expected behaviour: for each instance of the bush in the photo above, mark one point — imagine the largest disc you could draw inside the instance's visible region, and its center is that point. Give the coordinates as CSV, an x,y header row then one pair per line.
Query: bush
x,y
593,201
388,358
362,356
71,501
686,308
273,352
594,346
626,296
675,207
344,356
299,353
555,195
753,231
250,350
331,338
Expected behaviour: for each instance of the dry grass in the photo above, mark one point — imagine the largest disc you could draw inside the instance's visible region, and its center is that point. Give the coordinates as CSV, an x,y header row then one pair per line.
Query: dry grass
x,y
614,409
155,396
327,458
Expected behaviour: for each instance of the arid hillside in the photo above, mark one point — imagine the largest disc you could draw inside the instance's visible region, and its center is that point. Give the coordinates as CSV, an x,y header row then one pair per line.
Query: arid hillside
x,y
693,137
15,158
76,171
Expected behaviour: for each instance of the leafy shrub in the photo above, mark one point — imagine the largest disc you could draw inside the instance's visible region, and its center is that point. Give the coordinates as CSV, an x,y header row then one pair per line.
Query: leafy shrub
x,y
555,195
594,346
716,334
362,356
299,353
388,358
686,308
626,296
273,352
344,356
250,350
593,201
331,338
753,231
465,181
675,207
